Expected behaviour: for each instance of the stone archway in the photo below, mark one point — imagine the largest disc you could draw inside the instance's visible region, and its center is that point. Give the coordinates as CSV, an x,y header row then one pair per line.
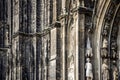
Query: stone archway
x,y
109,51
106,41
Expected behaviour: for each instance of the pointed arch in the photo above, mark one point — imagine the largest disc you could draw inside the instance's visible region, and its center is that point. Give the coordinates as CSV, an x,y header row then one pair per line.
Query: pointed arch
x,y
105,20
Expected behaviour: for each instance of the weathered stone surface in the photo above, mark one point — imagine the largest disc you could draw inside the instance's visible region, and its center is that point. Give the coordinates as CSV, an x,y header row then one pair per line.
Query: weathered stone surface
x,y
49,39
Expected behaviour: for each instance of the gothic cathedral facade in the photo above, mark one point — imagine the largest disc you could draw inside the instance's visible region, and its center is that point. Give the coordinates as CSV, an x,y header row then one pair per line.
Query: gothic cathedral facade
x,y
59,39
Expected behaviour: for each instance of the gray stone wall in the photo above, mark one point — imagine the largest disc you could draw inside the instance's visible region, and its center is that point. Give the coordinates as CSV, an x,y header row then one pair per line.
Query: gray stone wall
x,y
47,39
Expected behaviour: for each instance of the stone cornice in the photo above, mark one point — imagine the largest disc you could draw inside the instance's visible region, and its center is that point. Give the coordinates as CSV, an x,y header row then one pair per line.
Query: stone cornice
x,y
4,49
46,31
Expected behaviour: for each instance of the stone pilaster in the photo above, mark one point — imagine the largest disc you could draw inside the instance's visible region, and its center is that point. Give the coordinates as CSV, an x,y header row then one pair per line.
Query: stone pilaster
x,y
63,47
55,56
81,41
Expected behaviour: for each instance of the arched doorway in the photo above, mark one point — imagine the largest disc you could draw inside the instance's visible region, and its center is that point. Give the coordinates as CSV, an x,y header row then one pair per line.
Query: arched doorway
x,y
109,51
107,41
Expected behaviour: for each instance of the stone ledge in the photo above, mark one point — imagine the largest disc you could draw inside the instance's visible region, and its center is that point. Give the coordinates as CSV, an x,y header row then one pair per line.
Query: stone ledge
x,y
4,49
57,24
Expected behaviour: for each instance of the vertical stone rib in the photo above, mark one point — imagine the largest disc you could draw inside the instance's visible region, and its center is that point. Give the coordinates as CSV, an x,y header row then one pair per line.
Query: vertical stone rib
x,y
63,50
45,13
33,29
42,14
33,16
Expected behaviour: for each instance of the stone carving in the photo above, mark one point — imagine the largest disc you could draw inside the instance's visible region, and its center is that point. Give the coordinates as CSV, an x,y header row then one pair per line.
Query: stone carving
x,y
104,53
105,70
114,54
104,32
89,49
105,43
115,73
114,45
89,73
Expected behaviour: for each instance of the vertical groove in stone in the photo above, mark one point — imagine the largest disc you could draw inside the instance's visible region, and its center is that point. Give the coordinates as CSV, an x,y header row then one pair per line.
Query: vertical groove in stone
x,y
58,9
38,15
42,15
51,12
29,12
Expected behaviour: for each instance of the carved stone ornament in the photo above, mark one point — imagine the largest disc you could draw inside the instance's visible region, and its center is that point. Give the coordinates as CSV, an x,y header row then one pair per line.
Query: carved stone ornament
x,y
115,73
104,53
88,67
105,70
104,32
105,43
114,54
89,49
113,45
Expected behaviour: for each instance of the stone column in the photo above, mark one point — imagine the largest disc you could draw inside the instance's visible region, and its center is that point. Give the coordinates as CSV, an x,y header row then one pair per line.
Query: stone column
x,y
81,42
33,30
63,48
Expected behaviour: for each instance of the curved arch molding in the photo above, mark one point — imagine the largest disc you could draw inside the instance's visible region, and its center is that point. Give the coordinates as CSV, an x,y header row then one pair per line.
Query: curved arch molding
x,y
109,55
